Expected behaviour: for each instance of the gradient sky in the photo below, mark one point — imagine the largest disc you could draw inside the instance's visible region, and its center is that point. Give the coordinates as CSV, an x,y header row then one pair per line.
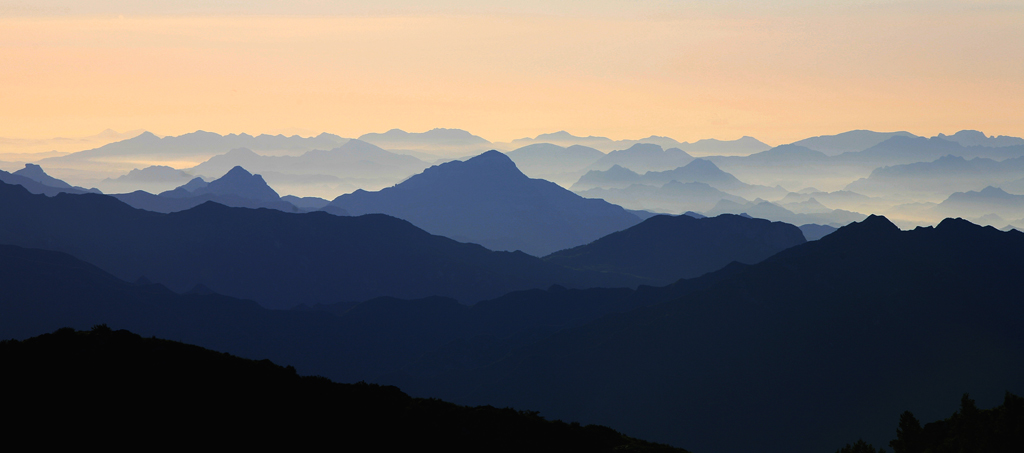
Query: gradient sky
x,y
779,71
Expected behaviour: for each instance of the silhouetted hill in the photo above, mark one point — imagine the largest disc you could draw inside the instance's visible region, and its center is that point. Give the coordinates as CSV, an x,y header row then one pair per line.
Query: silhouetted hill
x,y
276,258
667,248
814,347
488,201
142,386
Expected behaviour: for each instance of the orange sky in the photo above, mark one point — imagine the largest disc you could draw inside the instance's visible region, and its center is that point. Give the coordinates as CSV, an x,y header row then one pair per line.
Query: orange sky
x,y
778,74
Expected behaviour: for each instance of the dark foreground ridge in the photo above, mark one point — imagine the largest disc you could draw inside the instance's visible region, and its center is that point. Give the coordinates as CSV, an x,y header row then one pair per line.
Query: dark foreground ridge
x,y
118,386
968,430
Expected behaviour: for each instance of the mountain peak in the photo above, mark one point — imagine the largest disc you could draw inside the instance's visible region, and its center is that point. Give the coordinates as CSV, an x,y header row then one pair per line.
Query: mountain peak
x,y
36,173
995,192
237,172
31,169
645,147
703,164
491,157
239,182
560,135
489,164
872,228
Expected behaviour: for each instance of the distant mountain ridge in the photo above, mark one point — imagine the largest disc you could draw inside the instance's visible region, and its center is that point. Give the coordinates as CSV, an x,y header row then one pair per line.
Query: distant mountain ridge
x,y
978,138
558,164
851,141
445,142
237,188
644,157
488,201
204,143
742,146
153,179
353,164
147,149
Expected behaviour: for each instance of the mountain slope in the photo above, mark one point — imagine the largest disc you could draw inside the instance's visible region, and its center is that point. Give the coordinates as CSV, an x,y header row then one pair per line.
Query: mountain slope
x,y
488,201
666,248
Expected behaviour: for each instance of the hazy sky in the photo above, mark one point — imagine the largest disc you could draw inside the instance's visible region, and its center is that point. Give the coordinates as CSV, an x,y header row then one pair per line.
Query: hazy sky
x,y
779,71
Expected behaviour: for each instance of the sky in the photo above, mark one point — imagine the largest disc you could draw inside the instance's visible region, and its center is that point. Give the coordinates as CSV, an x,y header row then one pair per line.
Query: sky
x,y
779,71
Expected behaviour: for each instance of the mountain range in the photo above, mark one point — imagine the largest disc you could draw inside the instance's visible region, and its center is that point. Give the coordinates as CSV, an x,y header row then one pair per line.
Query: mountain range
x,y
850,141
324,173
816,346
772,211
146,149
799,350
278,259
936,180
671,197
